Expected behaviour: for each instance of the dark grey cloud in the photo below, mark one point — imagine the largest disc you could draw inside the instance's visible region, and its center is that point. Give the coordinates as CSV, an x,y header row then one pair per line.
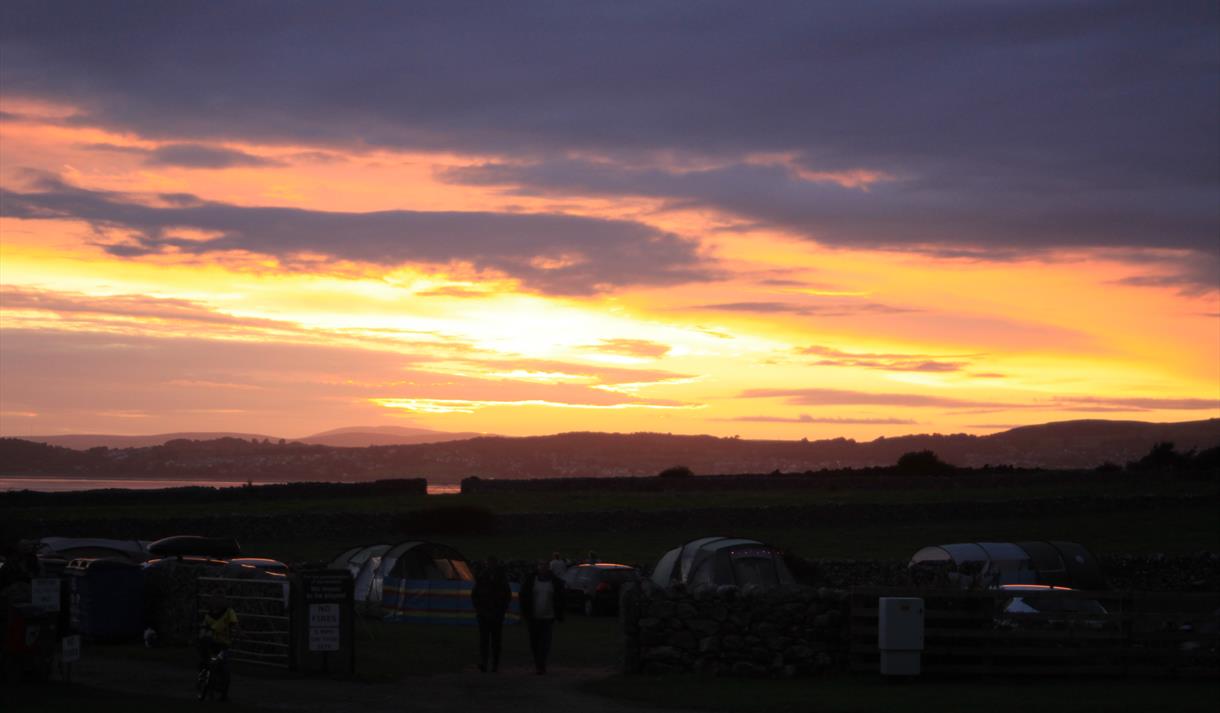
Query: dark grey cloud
x,y
1006,126
135,314
846,397
884,362
942,210
1084,403
189,155
806,418
840,308
1203,279
553,253
134,307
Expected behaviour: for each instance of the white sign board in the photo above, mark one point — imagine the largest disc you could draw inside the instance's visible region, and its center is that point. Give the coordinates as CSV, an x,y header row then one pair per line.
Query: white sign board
x,y
44,593
71,650
323,638
323,615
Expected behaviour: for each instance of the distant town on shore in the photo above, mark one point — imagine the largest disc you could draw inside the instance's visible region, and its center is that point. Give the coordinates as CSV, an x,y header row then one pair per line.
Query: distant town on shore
x,y
356,454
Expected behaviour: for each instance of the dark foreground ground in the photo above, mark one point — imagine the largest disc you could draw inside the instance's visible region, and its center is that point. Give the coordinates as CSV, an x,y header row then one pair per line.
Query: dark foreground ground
x,y
413,667
409,667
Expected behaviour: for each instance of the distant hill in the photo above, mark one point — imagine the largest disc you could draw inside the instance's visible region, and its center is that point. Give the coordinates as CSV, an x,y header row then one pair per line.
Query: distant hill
x,y
364,436
1062,445
353,437
85,441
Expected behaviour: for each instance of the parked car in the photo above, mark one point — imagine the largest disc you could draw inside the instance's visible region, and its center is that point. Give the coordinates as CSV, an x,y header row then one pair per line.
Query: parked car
x,y
213,566
594,588
256,566
1041,606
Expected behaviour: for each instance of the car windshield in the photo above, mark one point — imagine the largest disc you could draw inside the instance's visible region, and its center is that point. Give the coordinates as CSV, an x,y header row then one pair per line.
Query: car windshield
x,y
618,576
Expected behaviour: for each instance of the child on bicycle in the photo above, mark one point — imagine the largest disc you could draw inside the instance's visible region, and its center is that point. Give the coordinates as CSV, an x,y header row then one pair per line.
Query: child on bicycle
x,y
220,628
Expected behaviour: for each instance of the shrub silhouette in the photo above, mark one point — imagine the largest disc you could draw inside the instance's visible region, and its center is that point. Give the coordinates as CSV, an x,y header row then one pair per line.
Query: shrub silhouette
x,y
1193,464
1163,456
677,471
922,463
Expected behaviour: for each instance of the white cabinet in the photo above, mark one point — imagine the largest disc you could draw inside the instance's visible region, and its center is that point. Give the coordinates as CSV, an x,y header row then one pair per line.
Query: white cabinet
x,y
900,635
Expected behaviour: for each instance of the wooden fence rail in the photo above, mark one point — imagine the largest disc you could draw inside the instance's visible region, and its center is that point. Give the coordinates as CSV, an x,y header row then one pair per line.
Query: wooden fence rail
x,y
1100,633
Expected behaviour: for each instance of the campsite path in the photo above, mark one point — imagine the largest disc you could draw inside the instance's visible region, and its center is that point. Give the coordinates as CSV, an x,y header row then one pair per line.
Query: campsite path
x,y
472,692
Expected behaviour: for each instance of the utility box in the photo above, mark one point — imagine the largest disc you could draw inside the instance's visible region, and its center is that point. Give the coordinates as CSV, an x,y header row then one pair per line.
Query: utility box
x,y
900,635
106,598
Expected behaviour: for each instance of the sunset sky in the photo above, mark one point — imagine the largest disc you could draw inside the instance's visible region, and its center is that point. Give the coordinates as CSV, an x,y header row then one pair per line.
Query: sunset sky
x,y
775,220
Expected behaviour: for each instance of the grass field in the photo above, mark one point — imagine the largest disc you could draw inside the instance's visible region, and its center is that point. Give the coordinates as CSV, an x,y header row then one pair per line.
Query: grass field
x,y
55,697
879,490
1181,529
866,694
402,652
387,651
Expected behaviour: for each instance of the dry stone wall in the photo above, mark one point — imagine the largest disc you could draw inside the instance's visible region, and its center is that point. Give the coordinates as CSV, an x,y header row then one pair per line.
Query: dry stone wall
x,y
727,631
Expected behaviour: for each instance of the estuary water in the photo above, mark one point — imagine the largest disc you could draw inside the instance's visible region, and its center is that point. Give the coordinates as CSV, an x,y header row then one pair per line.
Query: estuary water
x,y
53,484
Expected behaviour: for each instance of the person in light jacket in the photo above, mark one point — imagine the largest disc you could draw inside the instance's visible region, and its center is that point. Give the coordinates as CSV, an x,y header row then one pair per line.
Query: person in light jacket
x,y
541,599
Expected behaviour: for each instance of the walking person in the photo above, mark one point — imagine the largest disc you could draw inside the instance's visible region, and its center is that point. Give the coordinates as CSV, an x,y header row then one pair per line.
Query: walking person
x,y
491,596
558,565
541,606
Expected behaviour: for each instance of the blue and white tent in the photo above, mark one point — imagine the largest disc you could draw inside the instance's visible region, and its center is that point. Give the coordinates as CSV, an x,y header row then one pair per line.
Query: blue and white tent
x,y
425,582
718,561
978,565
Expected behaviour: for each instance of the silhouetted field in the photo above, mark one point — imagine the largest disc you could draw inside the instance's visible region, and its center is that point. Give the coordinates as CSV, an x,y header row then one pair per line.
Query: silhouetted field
x,y
875,486
849,515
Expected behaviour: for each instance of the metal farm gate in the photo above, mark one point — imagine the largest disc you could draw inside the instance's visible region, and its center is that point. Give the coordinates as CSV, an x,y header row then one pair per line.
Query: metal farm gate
x,y
1134,633
263,613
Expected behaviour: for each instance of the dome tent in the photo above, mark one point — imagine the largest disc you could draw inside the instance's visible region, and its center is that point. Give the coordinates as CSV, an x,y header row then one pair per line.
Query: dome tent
x,y
722,561
424,581
973,565
353,559
340,562
363,562
425,560
366,586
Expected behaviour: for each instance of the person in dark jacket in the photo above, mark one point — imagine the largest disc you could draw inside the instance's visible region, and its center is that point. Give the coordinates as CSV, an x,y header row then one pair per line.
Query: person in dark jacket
x,y
541,606
491,596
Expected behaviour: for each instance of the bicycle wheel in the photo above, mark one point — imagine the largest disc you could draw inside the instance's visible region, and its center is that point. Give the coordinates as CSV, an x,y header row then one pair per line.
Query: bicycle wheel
x,y
203,683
